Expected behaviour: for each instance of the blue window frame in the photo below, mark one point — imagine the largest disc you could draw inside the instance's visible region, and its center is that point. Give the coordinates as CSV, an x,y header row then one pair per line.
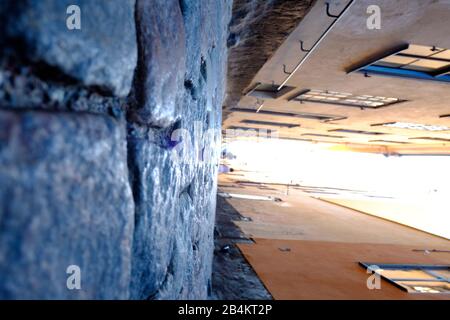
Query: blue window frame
x,y
409,61
396,72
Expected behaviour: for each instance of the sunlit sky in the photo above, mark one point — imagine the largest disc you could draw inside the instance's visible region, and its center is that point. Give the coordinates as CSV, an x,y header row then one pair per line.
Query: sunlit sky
x,y
421,182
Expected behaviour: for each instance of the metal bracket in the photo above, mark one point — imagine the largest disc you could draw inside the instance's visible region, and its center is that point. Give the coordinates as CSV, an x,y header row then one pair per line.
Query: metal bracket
x,y
302,48
261,105
329,14
284,70
316,44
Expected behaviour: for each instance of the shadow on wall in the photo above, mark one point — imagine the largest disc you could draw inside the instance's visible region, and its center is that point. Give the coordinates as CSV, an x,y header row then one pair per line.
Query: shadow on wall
x,y
91,204
253,38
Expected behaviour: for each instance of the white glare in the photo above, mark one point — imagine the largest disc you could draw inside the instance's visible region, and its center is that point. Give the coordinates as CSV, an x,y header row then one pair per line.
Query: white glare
x,y
420,183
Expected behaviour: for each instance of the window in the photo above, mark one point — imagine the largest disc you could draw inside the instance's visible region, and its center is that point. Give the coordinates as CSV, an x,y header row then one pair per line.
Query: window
x,y
431,139
321,135
413,126
303,115
268,91
389,141
270,123
414,278
345,99
356,131
296,139
410,61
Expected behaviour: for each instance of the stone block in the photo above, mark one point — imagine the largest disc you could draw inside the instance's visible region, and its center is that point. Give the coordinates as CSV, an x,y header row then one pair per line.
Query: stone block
x,y
64,200
102,53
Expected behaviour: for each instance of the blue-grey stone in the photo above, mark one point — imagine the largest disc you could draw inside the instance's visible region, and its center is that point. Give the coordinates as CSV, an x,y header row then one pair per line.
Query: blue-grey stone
x,y
175,206
25,90
102,53
175,197
66,177
162,52
64,200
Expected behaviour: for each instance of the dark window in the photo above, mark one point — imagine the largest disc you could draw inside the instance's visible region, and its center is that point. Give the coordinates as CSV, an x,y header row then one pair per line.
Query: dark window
x,y
431,139
356,131
296,139
270,123
268,91
303,115
389,141
321,135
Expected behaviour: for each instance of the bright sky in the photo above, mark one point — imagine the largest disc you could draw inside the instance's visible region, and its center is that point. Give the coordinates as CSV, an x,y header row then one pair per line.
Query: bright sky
x,y
421,183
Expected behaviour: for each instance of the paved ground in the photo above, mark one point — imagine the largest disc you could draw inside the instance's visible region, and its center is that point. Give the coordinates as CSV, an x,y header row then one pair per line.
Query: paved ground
x,y
305,248
301,217
297,269
233,277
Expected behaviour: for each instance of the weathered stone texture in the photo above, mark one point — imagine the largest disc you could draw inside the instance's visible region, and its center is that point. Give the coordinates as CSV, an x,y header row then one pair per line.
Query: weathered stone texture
x,y
159,78
64,200
103,53
175,196
29,86
90,174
